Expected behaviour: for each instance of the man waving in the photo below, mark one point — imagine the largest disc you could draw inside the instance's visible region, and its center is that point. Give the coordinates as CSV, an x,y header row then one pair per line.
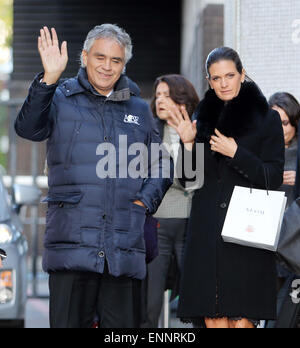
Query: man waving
x,y
94,242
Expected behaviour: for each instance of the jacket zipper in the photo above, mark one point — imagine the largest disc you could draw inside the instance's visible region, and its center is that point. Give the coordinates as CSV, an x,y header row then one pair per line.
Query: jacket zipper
x,y
105,206
102,120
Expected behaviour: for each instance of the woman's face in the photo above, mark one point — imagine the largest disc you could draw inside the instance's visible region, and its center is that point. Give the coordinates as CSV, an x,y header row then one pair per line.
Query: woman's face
x,y
225,80
163,101
288,129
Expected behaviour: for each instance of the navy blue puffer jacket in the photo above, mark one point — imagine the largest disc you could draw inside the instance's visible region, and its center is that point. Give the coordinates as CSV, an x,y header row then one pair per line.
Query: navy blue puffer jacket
x,y
93,220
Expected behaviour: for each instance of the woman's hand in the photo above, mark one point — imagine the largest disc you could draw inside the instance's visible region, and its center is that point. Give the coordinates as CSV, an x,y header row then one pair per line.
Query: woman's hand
x,y
223,145
54,60
181,122
289,178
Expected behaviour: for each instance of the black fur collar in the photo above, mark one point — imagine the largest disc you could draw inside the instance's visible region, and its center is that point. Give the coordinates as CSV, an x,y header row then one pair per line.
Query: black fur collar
x,y
237,118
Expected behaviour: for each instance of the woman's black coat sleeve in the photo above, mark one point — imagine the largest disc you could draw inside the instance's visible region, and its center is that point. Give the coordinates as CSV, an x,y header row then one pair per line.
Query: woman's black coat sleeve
x,y
272,156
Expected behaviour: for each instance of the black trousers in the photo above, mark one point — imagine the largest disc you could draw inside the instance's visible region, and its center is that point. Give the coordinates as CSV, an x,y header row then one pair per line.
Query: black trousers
x,y
77,298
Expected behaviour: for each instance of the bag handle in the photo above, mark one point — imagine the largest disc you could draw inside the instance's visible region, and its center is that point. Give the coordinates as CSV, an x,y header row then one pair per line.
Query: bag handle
x,y
267,181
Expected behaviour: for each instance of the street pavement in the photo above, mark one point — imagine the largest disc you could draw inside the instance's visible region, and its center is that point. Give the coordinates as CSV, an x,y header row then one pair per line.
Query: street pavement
x,y
37,309
37,314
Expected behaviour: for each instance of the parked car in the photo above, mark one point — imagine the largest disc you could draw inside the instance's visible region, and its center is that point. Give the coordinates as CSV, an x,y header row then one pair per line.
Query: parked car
x,y
13,275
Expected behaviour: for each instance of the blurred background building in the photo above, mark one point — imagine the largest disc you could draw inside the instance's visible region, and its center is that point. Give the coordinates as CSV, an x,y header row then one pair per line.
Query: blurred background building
x,y
168,37
267,36
155,28
6,29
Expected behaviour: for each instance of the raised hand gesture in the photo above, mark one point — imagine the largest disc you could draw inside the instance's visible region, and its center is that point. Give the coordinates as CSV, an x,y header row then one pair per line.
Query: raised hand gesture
x,y
181,122
53,58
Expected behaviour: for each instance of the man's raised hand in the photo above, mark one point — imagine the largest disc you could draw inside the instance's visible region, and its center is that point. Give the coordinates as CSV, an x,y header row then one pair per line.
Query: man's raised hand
x,y
54,59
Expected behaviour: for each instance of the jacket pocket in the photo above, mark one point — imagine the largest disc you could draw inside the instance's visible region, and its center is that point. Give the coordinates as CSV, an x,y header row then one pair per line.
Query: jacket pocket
x,y
75,134
63,219
137,218
122,220
133,239
129,242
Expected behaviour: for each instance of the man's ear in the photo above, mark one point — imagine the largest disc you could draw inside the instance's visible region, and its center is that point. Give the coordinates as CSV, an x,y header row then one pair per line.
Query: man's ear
x,y
84,56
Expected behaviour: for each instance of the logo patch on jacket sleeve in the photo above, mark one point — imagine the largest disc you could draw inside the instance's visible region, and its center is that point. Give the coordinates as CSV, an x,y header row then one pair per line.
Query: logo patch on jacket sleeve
x,y
132,119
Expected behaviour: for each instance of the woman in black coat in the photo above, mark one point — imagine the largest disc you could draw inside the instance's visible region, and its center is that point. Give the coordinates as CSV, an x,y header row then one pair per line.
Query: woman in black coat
x,y
228,285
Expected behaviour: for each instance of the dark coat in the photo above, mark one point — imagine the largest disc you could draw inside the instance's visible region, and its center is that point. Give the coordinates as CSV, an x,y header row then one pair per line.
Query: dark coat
x,y
297,185
90,219
222,279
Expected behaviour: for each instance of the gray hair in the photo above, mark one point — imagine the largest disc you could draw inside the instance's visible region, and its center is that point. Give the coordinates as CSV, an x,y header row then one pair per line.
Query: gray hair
x,y
109,31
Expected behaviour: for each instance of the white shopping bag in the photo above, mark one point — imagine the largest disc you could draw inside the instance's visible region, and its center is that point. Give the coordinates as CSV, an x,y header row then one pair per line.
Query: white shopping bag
x,y
254,218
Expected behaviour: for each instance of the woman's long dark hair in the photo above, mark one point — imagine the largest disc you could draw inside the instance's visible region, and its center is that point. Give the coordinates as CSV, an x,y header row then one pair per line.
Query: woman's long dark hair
x,y
225,53
289,104
182,92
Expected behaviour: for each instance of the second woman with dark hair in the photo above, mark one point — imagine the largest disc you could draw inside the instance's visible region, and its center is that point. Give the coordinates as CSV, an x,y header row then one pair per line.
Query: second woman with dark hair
x,y
289,110
227,285
169,91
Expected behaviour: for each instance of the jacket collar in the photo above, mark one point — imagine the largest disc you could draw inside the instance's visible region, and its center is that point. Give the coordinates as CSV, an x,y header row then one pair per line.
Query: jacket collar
x,y
236,118
124,88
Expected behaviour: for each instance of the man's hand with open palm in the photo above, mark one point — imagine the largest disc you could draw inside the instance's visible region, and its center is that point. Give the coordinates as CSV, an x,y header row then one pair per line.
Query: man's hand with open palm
x,y
54,59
